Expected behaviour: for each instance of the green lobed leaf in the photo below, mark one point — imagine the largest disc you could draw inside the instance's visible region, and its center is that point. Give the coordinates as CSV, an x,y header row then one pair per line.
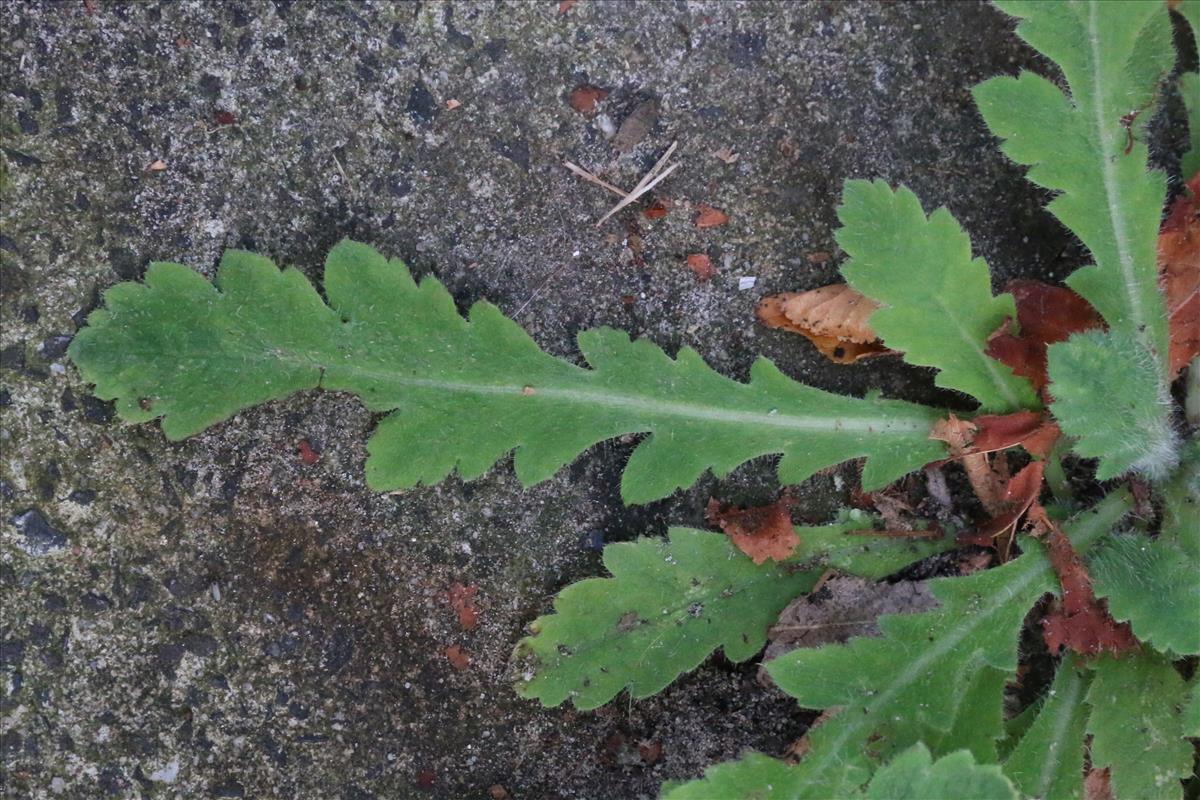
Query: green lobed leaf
x,y
1152,585
1088,148
1189,88
1191,711
891,690
980,719
465,392
1047,761
1108,396
1137,727
753,777
669,604
914,775
1181,504
937,303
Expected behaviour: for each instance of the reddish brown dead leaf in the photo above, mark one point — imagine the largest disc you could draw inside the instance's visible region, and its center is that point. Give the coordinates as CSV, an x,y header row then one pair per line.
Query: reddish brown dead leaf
x,y
1078,621
462,602
458,657
987,483
585,97
650,751
709,217
1097,785
1025,428
761,532
1018,495
306,452
565,5
834,318
726,155
1046,314
224,117
1179,266
702,266
453,103
658,209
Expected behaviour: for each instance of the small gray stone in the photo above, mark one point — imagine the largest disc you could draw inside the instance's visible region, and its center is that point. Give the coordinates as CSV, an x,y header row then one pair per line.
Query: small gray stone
x,y
41,537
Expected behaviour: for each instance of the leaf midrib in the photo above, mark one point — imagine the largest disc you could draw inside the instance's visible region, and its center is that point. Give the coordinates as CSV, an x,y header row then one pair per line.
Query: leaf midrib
x,y
1116,209
884,424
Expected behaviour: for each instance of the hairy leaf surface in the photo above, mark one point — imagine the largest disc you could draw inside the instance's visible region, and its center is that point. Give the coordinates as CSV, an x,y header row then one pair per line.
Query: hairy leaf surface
x,y
1152,585
669,604
1048,759
1087,145
1137,726
891,690
937,301
1108,395
465,391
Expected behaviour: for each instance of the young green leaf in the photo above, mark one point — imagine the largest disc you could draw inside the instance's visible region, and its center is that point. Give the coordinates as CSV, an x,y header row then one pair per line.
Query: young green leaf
x,y
913,677
938,307
1087,147
914,775
1048,759
1152,585
669,604
1136,726
465,391
1109,396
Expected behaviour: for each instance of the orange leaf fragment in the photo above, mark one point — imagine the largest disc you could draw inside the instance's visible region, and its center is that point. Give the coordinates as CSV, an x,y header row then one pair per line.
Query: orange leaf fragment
x,y
834,318
1179,275
709,217
565,5
702,266
760,532
585,97
457,657
462,602
658,209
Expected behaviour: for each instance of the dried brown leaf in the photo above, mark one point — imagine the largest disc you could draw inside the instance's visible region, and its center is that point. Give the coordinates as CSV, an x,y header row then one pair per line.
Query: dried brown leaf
x,y
1045,314
702,266
636,126
1078,621
834,318
585,97
762,532
709,217
1179,268
462,601
844,607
